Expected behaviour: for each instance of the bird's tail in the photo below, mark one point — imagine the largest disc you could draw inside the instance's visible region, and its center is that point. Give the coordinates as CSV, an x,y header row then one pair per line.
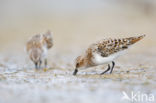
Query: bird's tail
x,y
136,39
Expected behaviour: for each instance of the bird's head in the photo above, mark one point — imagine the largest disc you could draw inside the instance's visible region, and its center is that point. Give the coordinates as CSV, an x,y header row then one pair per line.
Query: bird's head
x,y
80,63
48,39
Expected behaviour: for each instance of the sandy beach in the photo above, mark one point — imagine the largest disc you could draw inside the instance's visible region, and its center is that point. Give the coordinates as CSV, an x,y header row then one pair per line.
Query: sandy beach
x,y
73,32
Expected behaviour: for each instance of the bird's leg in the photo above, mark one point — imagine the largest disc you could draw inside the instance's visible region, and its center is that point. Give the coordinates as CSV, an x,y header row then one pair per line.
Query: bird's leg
x,y
75,72
40,63
106,70
45,63
113,64
36,65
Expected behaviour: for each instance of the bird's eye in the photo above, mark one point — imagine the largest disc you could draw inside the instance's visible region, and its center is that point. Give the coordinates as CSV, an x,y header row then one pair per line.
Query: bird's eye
x,y
77,64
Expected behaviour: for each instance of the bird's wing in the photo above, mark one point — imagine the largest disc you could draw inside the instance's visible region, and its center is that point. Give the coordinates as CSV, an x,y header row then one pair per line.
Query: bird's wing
x,y
34,42
107,47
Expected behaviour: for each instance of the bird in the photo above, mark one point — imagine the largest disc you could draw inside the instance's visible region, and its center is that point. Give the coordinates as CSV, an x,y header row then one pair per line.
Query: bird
x,y
104,51
37,47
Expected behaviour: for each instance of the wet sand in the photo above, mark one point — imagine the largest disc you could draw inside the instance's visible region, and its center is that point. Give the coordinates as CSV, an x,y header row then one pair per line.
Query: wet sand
x,y
20,82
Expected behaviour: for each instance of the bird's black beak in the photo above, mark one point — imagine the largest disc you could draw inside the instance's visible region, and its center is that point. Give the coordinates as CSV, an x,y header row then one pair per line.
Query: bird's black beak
x,y
75,72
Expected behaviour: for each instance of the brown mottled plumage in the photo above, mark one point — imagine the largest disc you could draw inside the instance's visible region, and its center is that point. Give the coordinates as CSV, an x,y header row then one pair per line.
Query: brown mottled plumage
x,y
104,51
38,46
107,47
48,39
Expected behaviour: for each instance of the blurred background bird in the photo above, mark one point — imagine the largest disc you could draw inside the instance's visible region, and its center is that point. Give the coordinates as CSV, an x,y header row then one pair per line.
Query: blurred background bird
x,y
37,48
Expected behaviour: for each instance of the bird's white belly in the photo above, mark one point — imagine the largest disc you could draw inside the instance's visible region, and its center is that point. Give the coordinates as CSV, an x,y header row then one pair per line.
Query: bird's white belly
x,y
98,59
44,54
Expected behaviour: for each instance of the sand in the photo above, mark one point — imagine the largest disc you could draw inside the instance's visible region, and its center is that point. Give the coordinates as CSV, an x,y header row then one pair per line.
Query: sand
x,y
73,33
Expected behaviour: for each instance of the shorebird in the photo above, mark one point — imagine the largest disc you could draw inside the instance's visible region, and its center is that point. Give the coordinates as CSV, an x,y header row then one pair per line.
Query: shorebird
x,y
37,48
104,52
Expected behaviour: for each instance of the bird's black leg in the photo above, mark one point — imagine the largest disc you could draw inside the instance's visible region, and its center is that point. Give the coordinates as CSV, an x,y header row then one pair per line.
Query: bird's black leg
x,y
75,72
106,70
45,63
36,65
40,63
113,64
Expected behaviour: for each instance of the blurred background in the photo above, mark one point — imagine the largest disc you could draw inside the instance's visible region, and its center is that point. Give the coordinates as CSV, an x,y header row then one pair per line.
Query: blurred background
x,y
76,23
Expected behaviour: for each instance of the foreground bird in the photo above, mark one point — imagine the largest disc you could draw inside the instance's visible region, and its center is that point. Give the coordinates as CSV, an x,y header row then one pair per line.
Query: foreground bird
x,y
37,48
104,51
